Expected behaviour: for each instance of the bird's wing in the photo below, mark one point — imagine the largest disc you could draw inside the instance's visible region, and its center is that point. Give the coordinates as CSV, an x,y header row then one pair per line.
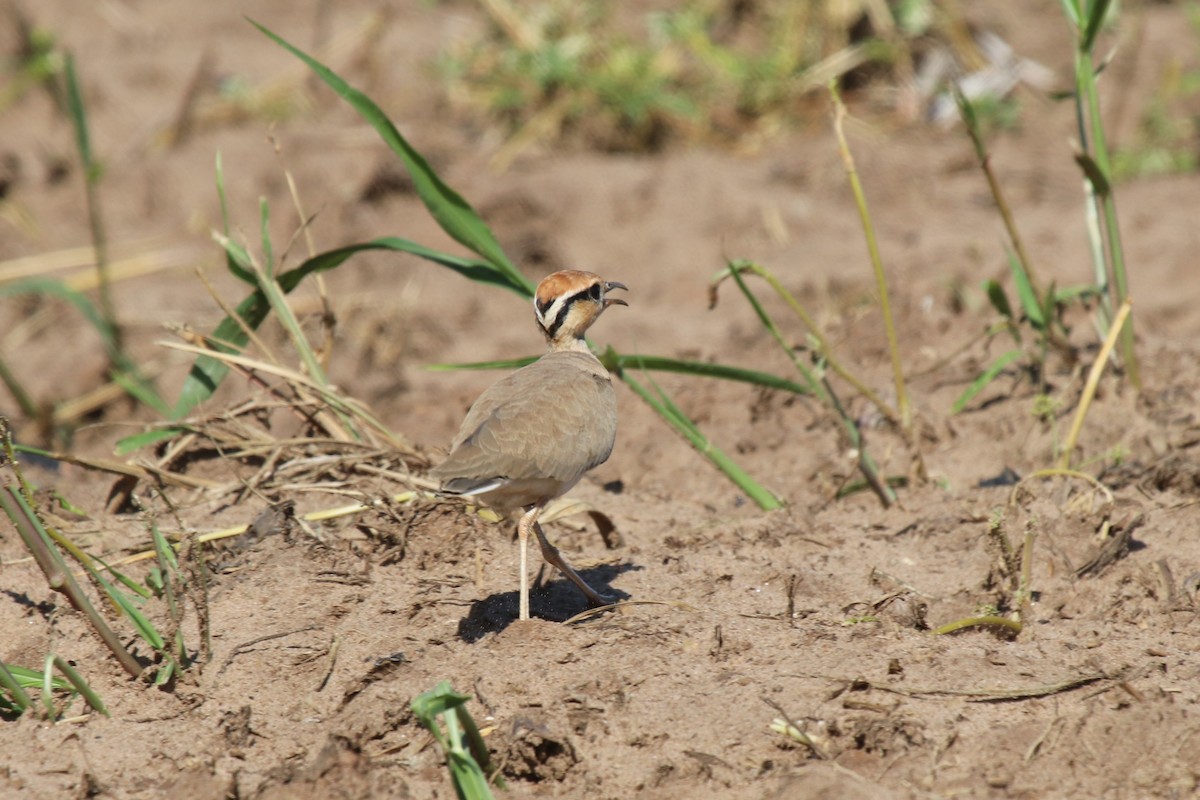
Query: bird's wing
x,y
552,419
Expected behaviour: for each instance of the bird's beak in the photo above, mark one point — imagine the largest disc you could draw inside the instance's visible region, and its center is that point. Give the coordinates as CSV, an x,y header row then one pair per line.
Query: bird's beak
x,y
613,301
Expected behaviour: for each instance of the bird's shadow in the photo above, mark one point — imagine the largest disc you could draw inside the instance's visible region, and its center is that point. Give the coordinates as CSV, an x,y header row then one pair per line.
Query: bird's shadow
x,y
43,607
557,601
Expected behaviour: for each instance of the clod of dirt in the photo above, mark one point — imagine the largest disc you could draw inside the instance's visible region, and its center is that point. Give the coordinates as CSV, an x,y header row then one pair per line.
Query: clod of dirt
x,y
906,609
887,735
537,754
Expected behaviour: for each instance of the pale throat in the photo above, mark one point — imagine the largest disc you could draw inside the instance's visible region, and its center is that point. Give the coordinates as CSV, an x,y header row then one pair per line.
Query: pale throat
x,y
569,343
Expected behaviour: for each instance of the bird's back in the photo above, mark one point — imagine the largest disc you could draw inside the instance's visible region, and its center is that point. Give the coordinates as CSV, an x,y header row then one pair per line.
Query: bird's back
x,y
544,425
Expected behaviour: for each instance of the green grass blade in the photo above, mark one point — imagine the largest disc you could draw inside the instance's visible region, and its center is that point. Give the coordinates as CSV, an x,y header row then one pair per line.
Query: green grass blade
x,y
128,607
666,409
504,363
617,361
451,211
240,270
90,561
264,224
48,689
77,112
78,115
168,566
18,698
999,300
702,369
469,781
984,379
141,390
80,685
31,678
476,747
136,442
1096,13
1025,293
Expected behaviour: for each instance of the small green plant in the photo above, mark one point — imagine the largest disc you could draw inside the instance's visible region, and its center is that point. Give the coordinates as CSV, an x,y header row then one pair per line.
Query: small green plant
x,y
1042,308
47,544
467,756
713,71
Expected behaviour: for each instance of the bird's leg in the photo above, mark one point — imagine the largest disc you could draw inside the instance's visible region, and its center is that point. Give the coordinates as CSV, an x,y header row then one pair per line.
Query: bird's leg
x,y
554,558
529,518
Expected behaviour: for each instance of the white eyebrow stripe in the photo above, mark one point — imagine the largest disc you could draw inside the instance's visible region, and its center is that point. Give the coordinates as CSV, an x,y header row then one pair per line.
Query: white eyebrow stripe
x,y
558,310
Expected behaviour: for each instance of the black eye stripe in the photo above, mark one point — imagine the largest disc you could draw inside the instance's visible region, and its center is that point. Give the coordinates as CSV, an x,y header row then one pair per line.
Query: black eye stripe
x,y
561,317
544,305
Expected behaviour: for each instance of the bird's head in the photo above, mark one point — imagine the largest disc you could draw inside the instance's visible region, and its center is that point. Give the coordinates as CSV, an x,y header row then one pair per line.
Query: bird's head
x,y
568,302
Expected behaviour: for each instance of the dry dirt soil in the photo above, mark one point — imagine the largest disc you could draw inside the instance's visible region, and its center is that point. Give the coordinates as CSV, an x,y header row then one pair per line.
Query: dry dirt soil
x,y
821,612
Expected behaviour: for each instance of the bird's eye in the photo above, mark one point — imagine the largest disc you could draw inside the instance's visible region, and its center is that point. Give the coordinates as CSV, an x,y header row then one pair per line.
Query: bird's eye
x,y
595,291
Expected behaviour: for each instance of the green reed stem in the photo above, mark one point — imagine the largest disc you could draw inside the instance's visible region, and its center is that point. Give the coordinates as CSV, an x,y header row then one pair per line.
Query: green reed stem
x,y
885,304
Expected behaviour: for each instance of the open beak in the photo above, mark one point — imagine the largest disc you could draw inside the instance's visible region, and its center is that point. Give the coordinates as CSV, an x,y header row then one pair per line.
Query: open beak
x,y
613,301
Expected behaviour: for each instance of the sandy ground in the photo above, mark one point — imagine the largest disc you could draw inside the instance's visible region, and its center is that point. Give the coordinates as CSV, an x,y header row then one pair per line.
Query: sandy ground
x,y
820,612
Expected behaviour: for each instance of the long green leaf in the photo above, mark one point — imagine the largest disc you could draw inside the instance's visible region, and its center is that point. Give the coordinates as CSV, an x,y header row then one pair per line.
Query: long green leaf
x,y
447,206
208,372
999,300
703,369
1096,14
240,270
78,114
30,678
1029,299
618,361
984,379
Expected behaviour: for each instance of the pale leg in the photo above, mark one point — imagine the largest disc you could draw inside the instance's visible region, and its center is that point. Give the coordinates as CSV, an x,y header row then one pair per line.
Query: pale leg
x,y
523,537
554,558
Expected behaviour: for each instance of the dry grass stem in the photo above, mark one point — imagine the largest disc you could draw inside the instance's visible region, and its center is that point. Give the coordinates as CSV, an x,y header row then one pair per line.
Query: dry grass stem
x,y
1093,380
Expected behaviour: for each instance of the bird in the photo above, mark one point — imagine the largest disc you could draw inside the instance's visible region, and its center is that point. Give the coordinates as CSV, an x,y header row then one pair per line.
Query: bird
x,y
533,434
